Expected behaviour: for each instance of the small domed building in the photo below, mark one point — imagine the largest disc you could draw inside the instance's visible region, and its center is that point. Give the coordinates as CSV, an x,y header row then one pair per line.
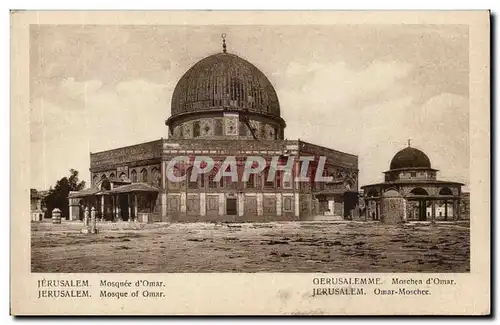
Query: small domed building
x,y
411,192
223,106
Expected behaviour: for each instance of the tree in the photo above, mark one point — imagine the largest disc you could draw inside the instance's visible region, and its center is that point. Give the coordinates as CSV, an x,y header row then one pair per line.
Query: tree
x,y
58,195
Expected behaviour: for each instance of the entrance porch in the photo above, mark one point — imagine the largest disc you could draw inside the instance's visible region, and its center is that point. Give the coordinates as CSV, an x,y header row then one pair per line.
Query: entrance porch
x,y
132,202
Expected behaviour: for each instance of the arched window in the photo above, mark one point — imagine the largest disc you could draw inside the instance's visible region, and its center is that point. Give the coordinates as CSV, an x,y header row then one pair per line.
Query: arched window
x,y
94,180
228,182
202,181
251,181
320,186
242,129
445,191
279,177
144,175
196,129
171,183
262,132
123,176
258,180
267,183
218,127
419,191
105,185
391,193
287,179
156,177
103,177
211,182
190,184
133,176
112,175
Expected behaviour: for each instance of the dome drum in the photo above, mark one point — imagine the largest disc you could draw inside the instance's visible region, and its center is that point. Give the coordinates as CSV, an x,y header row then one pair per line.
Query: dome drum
x,y
220,126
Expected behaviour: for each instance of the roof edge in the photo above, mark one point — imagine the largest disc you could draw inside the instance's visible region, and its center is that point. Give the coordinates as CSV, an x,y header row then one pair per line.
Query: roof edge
x,y
413,182
174,117
410,168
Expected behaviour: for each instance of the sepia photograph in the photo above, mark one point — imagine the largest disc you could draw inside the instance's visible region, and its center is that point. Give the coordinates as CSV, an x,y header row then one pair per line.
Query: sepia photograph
x,y
379,113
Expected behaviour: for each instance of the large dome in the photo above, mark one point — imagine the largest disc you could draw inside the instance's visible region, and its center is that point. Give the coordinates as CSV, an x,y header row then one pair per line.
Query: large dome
x,y
224,82
410,158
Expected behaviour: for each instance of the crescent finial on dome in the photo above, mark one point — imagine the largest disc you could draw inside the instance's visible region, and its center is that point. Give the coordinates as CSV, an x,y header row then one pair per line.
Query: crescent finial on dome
x,y
223,35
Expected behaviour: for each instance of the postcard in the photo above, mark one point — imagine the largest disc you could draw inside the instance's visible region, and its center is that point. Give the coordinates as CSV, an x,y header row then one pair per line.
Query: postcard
x,y
250,163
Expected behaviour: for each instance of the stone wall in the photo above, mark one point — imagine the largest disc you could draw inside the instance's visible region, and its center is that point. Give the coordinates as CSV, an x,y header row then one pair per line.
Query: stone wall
x,y
201,202
251,207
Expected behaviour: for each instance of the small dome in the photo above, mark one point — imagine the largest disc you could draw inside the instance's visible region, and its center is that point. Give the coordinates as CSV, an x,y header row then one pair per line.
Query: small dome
x,y
410,158
224,81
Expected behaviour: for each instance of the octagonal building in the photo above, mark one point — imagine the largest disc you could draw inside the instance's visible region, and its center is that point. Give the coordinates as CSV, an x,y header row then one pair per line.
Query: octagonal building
x,y
412,192
222,106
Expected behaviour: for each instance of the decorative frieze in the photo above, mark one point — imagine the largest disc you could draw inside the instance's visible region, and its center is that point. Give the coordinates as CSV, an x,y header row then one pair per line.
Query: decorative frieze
x,y
231,124
120,156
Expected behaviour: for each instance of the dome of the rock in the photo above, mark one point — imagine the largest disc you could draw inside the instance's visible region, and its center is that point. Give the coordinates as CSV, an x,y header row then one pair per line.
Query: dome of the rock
x,y
225,97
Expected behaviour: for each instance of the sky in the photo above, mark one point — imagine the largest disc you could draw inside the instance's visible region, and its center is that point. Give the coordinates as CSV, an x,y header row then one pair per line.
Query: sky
x,y
361,89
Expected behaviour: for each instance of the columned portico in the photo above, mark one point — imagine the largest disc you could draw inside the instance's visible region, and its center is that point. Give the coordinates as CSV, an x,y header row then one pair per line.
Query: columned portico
x,y
129,203
121,203
135,206
433,215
